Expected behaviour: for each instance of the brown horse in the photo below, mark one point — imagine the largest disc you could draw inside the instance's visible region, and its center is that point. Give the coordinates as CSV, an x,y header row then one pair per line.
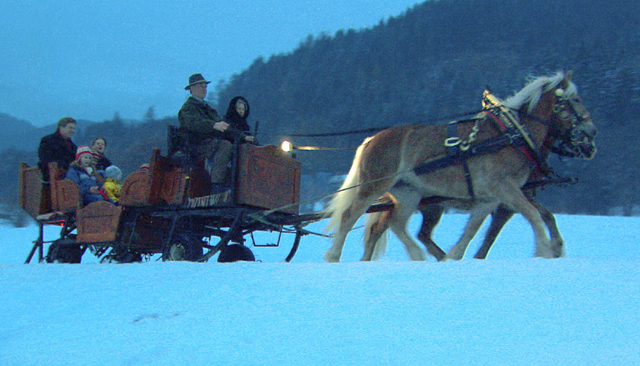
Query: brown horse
x,y
506,150
379,222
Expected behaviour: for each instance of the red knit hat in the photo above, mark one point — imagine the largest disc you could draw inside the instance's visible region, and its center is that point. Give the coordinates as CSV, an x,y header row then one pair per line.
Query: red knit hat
x,y
83,149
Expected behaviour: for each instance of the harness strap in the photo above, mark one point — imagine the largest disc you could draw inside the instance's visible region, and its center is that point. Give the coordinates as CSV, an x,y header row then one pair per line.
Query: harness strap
x,y
454,150
529,153
481,148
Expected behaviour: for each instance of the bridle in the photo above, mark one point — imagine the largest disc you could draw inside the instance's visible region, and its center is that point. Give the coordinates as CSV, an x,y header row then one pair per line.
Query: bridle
x,y
560,140
577,135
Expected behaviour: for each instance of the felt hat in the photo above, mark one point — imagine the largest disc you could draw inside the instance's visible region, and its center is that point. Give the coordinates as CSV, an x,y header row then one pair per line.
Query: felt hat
x,y
196,79
82,149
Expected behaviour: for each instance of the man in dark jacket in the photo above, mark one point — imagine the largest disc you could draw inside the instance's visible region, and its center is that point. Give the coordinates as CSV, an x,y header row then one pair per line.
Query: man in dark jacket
x,y
211,133
58,147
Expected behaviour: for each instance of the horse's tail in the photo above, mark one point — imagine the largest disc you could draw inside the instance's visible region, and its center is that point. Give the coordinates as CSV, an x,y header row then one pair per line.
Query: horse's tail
x,y
380,246
346,195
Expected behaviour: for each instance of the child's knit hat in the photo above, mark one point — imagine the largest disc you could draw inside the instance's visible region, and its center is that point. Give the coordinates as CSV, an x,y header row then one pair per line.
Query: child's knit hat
x,y
83,149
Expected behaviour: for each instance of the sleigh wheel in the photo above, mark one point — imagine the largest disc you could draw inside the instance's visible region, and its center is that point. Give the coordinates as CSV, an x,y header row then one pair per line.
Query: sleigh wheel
x,y
183,247
64,251
235,253
121,256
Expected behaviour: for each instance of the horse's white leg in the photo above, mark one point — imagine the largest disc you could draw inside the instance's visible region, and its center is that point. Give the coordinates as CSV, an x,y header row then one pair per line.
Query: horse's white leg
x,y
348,219
376,227
557,242
516,199
339,237
400,229
478,215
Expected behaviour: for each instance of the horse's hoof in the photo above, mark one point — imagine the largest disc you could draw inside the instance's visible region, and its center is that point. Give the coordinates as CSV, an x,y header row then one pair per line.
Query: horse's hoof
x,y
451,257
544,254
331,258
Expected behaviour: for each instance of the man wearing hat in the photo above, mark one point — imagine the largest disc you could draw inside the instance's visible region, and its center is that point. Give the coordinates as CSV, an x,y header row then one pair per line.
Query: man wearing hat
x,y
210,131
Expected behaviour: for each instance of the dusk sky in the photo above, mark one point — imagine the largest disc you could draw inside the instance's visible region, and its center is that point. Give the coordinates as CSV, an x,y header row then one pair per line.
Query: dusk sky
x,y
89,59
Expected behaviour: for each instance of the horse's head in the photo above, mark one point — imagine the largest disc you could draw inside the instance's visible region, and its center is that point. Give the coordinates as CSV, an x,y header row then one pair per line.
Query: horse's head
x,y
572,124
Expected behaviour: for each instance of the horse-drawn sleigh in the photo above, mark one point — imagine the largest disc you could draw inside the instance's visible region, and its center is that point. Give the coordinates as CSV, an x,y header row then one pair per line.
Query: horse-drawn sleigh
x,y
475,164
165,210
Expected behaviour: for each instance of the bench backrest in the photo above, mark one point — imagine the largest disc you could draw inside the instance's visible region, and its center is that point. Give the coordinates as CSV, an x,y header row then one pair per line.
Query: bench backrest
x,y
33,193
168,180
163,184
136,189
177,140
65,194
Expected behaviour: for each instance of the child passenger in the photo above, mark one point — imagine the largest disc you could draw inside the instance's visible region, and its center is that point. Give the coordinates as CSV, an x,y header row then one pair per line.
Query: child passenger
x,y
112,185
82,172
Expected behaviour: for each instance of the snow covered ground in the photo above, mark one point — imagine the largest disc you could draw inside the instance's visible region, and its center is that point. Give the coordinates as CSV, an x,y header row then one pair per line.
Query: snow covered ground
x,y
510,309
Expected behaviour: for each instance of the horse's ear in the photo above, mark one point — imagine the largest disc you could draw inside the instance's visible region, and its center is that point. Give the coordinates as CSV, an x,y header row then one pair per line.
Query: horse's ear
x,y
567,79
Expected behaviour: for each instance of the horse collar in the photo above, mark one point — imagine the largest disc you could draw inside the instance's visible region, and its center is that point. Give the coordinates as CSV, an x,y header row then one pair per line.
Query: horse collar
x,y
509,126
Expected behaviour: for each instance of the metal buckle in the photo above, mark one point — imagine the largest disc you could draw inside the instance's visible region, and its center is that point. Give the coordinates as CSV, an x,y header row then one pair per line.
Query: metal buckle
x,y
452,141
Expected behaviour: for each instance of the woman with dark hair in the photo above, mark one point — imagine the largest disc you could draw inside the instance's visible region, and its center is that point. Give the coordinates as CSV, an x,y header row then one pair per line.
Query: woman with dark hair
x,y
99,146
236,117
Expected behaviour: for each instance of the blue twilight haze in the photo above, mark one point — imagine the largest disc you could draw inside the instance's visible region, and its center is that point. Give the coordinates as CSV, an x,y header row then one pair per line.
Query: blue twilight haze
x,y
91,59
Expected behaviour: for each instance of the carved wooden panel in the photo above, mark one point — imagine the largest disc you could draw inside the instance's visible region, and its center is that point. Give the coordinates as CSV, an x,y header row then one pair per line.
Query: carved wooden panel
x,y
98,222
33,196
268,178
136,189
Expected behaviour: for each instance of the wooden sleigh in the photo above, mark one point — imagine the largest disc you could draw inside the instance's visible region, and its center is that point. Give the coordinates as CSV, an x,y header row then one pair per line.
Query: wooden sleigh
x,y
155,204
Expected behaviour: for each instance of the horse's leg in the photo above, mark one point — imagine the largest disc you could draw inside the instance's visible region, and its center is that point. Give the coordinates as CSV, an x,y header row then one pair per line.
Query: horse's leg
x,y
499,218
478,215
400,229
377,225
431,215
349,218
356,205
406,204
515,198
557,242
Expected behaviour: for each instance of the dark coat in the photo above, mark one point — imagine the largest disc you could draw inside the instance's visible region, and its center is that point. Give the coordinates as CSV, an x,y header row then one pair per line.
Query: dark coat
x,y
103,163
233,118
198,118
56,148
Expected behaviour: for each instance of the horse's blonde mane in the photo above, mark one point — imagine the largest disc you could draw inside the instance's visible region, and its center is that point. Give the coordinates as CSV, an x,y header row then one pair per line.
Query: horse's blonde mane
x,y
532,92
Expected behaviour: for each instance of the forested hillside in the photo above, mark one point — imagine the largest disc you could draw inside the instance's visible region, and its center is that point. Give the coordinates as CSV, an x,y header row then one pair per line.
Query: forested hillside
x,y
424,66
435,60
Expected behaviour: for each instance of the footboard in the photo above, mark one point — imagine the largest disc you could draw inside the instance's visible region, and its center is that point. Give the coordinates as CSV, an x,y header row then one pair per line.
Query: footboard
x,y
98,222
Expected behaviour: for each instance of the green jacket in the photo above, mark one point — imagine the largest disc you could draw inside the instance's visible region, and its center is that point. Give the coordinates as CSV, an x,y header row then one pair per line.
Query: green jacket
x,y
198,118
